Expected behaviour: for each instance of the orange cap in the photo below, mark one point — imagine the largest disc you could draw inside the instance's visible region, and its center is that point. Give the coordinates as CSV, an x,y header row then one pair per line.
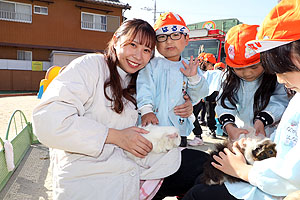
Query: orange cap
x,y
201,56
169,23
281,26
219,65
209,57
237,53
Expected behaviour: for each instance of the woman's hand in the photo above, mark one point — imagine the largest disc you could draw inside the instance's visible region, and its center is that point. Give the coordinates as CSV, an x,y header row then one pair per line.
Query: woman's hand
x,y
131,140
234,132
191,68
232,163
186,109
149,118
259,127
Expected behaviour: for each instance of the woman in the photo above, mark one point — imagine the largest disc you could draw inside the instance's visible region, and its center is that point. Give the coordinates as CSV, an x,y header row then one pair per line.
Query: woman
x,y
88,115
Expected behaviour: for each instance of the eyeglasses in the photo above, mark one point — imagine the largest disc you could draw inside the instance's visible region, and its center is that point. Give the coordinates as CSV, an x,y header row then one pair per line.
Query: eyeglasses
x,y
173,36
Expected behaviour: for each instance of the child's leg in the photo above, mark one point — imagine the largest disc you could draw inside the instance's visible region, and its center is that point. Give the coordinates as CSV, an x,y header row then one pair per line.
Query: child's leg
x,y
196,110
181,181
211,115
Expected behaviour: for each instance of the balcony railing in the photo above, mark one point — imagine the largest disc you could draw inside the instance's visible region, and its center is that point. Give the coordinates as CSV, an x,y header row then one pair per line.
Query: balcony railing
x,y
17,17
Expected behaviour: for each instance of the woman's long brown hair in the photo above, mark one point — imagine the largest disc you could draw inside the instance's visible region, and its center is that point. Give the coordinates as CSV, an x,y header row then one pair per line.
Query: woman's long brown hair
x,y
130,29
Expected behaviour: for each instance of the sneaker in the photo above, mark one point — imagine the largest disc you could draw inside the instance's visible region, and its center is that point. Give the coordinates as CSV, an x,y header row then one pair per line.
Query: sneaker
x,y
183,142
196,142
212,134
202,123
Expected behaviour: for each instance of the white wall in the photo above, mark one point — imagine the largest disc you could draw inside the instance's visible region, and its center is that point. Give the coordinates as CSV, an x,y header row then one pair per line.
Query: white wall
x,y
20,64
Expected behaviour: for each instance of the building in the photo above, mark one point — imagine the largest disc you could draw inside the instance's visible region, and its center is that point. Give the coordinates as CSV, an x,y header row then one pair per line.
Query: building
x,y
36,34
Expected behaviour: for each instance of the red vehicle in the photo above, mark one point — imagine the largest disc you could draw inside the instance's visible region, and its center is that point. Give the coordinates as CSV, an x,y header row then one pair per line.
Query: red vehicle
x,y
208,41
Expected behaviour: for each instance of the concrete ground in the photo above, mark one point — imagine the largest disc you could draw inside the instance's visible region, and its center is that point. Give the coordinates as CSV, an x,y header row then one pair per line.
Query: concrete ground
x,y
32,180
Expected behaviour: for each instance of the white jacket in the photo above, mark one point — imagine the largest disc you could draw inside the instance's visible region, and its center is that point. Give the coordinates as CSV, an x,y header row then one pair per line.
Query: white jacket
x,y
73,119
276,177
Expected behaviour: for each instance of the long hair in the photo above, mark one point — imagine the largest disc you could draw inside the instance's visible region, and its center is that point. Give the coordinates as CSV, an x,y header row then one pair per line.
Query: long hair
x,y
262,95
129,29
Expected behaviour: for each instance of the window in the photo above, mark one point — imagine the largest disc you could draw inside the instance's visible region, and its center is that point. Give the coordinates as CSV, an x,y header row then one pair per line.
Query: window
x,y
13,11
41,10
24,55
94,22
196,46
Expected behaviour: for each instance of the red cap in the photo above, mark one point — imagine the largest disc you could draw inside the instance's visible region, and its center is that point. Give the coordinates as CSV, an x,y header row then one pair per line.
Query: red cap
x,y
239,55
169,23
281,26
209,57
201,56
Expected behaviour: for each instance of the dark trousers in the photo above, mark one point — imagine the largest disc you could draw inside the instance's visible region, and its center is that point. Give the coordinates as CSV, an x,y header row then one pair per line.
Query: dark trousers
x,y
196,110
207,192
210,104
181,181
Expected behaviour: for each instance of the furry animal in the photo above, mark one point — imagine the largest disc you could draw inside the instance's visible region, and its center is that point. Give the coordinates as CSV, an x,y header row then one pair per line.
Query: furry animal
x,y
163,139
256,148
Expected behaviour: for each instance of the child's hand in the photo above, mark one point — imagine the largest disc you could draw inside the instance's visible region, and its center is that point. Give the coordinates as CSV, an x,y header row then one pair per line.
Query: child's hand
x,y
232,163
259,127
149,118
234,132
186,109
191,68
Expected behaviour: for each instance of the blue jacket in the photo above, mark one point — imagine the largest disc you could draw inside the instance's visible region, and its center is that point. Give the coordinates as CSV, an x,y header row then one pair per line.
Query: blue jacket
x,y
160,85
276,177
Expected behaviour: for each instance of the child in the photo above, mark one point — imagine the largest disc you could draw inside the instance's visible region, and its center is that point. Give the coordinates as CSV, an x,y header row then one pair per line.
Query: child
x,y
199,108
162,84
210,101
274,178
249,96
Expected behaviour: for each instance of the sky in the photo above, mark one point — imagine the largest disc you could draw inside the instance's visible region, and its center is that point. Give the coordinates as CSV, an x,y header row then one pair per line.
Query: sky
x,y
193,11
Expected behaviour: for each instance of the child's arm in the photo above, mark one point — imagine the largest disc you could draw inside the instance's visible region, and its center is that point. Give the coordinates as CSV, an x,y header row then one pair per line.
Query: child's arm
x,y
145,95
275,108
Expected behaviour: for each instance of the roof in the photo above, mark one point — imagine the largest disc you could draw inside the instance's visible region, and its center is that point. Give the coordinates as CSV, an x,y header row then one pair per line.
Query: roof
x,y
113,3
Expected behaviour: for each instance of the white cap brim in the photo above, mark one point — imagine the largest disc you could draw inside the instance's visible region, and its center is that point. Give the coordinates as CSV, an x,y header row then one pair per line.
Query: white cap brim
x,y
264,45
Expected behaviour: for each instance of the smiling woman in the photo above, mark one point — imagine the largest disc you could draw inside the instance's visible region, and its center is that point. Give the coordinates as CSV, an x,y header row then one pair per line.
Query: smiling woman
x,y
88,117
96,93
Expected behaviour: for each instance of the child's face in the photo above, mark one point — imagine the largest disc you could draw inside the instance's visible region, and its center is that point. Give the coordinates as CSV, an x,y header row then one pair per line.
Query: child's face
x,y
250,73
209,66
172,49
132,55
291,79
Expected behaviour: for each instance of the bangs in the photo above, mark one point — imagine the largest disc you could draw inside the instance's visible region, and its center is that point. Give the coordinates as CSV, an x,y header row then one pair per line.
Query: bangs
x,y
147,39
144,36
278,60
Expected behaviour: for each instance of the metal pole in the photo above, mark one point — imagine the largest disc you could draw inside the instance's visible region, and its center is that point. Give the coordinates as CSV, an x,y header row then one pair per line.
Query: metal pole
x,y
154,11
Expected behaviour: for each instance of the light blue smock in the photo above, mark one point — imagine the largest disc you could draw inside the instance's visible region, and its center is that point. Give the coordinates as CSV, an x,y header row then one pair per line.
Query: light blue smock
x,y
244,113
160,84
